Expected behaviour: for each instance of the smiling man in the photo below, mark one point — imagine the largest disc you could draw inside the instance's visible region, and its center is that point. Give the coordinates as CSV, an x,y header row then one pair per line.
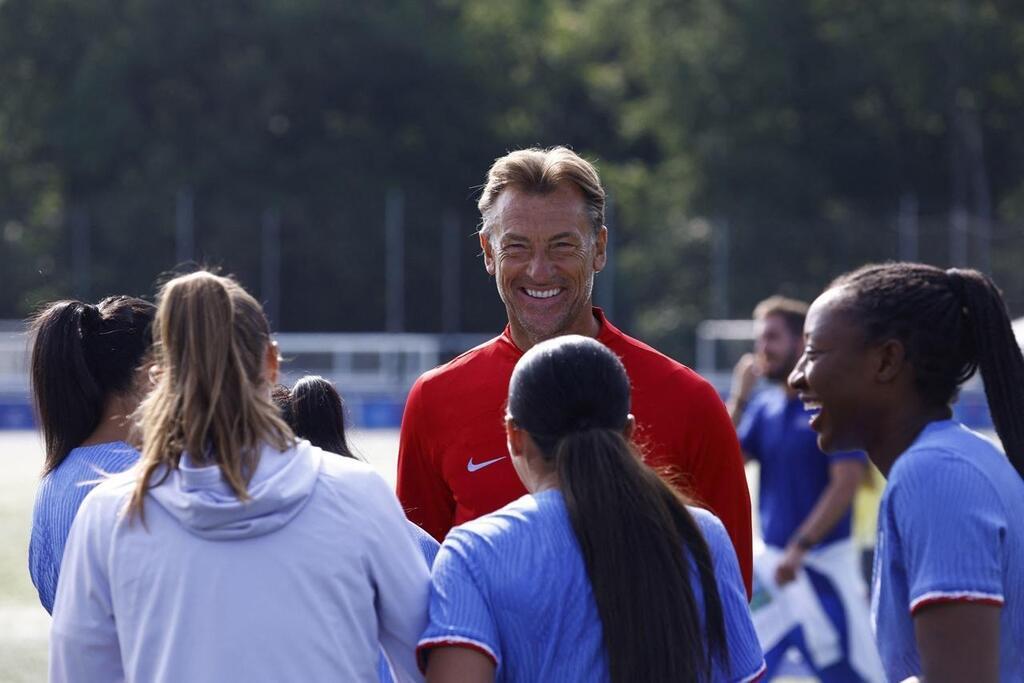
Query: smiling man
x,y
543,239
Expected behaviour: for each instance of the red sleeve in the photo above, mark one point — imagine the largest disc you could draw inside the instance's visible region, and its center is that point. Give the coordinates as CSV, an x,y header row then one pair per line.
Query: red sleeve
x,y
421,487
719,480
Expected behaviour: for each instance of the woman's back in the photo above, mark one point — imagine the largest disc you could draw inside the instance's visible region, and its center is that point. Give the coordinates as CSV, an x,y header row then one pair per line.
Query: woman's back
x,y
514,585
285,586
60,493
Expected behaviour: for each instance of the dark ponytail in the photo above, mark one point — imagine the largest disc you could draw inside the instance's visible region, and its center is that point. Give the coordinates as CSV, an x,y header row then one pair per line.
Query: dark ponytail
x,y
314,410
998,357
81,356
571,394
951,323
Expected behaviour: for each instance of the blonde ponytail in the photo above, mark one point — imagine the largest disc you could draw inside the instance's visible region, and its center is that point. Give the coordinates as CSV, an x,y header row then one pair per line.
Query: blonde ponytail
x,y
212,398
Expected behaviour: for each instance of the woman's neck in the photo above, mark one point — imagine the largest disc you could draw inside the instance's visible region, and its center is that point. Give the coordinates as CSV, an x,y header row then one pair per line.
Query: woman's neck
x,y
115,423
899,431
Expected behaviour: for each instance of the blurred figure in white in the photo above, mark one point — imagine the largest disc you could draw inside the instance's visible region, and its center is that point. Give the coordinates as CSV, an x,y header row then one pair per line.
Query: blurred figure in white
x,y
808,593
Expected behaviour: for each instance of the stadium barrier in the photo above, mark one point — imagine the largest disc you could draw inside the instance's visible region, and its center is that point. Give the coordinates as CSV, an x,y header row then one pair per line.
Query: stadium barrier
x,y
373,371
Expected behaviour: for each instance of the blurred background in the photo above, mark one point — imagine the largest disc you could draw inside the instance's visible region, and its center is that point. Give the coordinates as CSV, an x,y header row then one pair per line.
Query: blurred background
x,y
329,155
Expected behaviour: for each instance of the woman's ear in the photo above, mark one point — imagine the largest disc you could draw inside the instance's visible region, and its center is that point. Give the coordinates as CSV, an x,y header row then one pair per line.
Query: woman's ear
x,y
630,427
272,363
514,437
890,359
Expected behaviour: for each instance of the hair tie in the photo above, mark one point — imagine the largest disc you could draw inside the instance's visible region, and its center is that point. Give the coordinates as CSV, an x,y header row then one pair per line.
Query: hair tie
x,y
90,321
958,283
582,424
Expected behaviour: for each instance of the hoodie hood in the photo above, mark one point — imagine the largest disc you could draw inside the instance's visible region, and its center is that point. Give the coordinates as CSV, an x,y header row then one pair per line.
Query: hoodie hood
x,y
202,502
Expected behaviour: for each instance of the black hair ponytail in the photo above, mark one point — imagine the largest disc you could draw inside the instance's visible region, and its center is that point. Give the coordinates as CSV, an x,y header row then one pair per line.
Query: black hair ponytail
x,y
997,355
636,536
82,355
571,394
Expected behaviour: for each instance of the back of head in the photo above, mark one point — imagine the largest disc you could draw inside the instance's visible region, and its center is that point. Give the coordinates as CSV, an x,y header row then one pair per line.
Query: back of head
x,y
567,384
951,323
212,398
317,413
541,171
82,355
792,311
571,395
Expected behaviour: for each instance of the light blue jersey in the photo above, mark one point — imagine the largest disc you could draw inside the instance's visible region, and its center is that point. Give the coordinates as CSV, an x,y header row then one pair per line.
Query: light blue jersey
x,y
429,546
950,529
513,585
60,494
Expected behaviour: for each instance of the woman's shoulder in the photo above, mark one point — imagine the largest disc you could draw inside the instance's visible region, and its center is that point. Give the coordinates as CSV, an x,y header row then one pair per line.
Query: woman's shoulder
x,y
523,520
712,529
947,445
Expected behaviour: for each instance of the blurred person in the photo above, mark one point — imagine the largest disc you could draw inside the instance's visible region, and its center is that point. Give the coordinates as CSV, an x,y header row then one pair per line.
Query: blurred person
x,y
86,382
234,551
315,411
601,571
543,239
886,350
809,594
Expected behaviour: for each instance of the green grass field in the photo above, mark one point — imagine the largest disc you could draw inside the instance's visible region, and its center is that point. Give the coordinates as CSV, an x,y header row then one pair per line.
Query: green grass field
x,y
24,624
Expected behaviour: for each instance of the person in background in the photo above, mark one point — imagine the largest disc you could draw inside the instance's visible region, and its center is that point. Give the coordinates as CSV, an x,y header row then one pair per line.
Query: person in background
x,y
886,349
87,379
543,239
315,411
808,590
233,552
602,571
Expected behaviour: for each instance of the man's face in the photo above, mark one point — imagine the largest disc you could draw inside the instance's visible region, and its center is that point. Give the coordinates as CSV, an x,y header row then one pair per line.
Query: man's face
x,y
777,347
543,253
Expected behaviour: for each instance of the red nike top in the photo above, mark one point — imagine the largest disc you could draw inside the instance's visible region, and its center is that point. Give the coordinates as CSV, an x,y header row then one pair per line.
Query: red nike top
x,y
453,463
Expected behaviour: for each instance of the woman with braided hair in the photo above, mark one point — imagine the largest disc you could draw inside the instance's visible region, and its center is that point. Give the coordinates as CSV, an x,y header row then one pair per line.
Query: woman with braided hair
x,y
886,350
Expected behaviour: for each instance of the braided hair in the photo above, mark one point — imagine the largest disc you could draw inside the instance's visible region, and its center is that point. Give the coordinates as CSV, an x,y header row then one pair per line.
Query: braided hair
x,y
951,323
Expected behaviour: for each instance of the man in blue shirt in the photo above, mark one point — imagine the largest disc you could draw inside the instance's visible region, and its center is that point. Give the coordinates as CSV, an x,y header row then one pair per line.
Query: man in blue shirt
x,y
808,593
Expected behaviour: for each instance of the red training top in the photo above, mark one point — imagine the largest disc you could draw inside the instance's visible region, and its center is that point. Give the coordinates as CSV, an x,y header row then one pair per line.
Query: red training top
x,y
453,462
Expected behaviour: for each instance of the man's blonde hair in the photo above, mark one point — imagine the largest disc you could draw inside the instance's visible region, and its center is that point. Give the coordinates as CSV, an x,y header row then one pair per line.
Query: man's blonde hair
x,y
541,171
792,311
212,397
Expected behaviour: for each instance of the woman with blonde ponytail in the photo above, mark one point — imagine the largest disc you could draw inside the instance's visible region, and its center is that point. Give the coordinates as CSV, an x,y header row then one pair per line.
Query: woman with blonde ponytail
x,y
234,551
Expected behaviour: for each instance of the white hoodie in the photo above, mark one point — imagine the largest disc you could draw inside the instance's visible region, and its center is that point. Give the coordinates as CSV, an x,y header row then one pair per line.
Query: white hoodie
x,y
300,583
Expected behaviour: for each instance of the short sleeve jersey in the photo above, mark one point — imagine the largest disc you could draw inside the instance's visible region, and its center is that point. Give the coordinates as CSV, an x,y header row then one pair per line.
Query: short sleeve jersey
x,y
60,494
794,472
486,596
453,464
950,529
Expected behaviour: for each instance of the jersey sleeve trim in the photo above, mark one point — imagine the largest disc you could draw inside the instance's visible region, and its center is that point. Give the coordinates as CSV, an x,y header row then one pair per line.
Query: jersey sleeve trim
x,y
939,597
757,675
451,641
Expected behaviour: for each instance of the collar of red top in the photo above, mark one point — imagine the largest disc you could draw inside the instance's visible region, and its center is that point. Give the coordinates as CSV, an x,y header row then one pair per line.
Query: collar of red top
x,y
605,333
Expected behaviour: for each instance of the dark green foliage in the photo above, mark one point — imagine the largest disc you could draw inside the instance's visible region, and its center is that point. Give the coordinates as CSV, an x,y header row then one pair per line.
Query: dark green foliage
x,y
799,124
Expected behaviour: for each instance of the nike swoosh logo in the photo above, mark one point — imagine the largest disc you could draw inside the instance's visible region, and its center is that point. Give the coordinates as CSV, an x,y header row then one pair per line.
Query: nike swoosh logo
x,y
474,466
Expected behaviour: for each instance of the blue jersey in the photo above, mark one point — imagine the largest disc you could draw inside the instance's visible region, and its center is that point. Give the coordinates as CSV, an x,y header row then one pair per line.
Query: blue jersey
x,y
60,494
794,472
513,585
429,546
950,528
